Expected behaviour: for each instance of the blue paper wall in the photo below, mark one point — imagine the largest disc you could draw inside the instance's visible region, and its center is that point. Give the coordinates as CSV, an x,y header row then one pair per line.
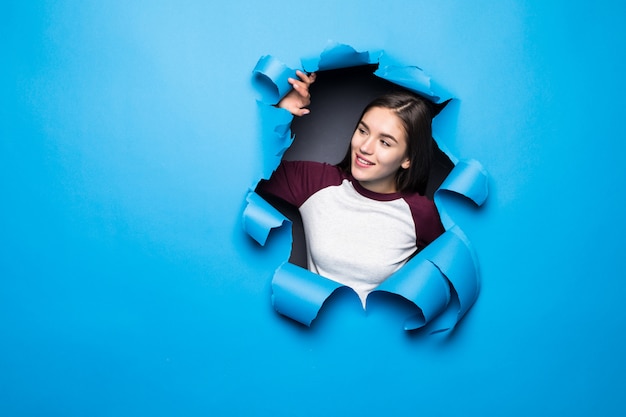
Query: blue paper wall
x,y
128,141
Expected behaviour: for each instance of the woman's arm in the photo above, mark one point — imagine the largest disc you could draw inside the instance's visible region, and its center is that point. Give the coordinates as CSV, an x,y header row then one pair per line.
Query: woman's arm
x,y
297,100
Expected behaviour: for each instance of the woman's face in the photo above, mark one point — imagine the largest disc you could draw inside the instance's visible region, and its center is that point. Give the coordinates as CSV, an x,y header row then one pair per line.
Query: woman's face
x,y
379,149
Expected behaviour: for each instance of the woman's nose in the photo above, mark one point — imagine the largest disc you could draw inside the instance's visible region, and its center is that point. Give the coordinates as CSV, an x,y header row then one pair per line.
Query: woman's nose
x,y
366,146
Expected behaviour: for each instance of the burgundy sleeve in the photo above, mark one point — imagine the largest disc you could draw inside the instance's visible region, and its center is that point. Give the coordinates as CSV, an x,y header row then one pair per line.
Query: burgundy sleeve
x,y
295,181
428,226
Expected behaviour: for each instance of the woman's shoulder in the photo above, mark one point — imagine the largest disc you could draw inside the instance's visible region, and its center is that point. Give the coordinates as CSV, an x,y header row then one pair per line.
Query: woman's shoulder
x,y
421,205
296,181
425,216
310,166
312,170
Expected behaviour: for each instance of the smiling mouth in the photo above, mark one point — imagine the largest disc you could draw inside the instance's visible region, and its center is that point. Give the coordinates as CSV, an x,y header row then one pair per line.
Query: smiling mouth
x,y
362,161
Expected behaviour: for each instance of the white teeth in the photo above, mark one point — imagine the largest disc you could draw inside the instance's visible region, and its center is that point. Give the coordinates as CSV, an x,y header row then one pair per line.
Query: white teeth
x,y
363,161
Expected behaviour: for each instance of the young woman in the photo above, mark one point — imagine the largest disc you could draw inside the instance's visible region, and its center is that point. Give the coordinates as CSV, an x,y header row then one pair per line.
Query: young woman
x,y
366,216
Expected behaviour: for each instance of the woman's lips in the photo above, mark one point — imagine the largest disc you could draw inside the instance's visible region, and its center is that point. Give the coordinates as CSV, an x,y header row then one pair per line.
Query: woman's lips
x,y
362,162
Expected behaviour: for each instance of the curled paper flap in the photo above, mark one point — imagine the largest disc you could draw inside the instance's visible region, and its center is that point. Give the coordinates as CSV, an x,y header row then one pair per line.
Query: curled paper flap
x,y
411,78
454,257
299,294
276,136
421,283
277,74
445,270
260,217
468,178
336,56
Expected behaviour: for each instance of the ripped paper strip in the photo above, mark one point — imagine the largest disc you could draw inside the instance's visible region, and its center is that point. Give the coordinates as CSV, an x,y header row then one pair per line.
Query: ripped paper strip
x,y
275,134
445,271
260,217
337,56
299,294
275,74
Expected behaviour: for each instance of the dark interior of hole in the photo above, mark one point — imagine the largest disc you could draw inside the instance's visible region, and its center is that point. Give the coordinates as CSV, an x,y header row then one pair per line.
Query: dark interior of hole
x,y
337,100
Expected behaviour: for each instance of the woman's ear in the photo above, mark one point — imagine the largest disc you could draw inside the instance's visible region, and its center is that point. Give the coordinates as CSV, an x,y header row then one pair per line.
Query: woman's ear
x,y
406,163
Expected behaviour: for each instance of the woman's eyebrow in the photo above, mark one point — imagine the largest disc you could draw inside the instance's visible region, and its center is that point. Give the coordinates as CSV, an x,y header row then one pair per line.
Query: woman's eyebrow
x,y
385,135
388,136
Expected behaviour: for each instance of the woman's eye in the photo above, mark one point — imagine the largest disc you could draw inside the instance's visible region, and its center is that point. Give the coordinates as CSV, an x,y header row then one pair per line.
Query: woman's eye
x,y
362,131
385,143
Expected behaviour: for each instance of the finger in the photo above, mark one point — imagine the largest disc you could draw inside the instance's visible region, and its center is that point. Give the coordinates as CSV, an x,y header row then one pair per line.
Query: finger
x,y
306,78
301,88
302,112
298,84
297,111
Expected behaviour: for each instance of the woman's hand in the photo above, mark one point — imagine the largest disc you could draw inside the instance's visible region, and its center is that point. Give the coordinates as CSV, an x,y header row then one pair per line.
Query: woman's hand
x,y
297,100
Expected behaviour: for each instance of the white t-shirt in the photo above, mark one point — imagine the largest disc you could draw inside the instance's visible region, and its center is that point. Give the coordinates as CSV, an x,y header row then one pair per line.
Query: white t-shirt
x,y
354,236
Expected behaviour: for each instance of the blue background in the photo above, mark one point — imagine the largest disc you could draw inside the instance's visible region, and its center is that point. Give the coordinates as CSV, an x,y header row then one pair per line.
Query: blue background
x,y
129,138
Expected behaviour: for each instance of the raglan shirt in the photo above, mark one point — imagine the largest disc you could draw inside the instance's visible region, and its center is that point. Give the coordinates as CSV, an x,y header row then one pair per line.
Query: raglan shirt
x,y
353,236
